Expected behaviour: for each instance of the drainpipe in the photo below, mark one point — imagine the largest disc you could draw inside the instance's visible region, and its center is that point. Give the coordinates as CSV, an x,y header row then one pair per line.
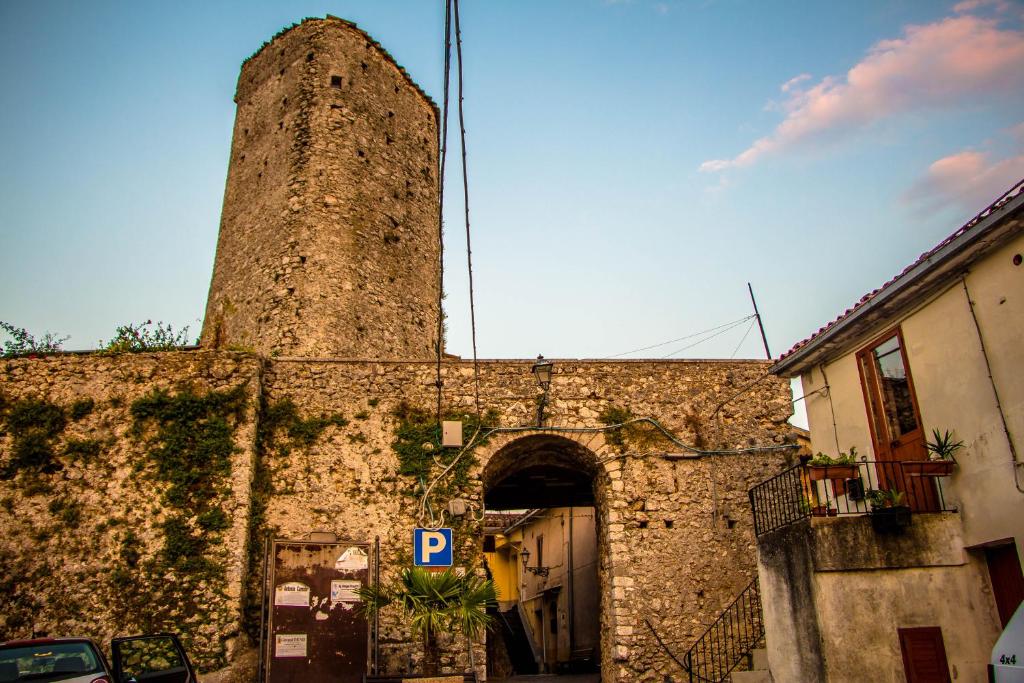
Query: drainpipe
x,y
995,391
831,406
572,588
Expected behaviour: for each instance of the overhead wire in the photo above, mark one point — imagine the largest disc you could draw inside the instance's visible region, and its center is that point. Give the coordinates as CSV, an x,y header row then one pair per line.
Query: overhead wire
x,y
443,158
745,334
452,10
465,194
689,336
707,338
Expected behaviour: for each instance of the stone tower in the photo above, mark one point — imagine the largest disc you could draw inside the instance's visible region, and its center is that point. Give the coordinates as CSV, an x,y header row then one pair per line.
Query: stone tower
x,y
328,240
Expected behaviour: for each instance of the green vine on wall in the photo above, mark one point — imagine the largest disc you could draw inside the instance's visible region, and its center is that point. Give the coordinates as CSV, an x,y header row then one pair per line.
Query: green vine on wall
x,y
640,435
418,444
34,426
281,429
189,440
282,419
191,453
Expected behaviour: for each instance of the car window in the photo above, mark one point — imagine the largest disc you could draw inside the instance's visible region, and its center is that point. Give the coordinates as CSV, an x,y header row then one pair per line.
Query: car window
x,y
43,662
143,657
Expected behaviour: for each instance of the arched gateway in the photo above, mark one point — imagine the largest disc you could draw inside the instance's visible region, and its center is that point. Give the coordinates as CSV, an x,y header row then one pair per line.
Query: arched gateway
x,y
546,498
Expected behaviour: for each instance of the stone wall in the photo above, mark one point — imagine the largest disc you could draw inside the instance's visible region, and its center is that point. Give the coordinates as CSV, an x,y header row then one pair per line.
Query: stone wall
x,y
97,536
92,539
675,535
328,241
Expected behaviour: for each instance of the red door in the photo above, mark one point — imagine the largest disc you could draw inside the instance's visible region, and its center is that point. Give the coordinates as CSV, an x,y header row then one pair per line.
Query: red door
x,y
896,431
924,655
1007,580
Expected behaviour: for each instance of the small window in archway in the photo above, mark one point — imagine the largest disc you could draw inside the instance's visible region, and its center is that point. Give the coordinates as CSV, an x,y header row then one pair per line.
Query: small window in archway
x,y
335,81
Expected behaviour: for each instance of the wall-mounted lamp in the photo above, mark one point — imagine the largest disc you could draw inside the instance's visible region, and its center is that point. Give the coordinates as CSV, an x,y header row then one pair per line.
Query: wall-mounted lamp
x,y
542,370
524,554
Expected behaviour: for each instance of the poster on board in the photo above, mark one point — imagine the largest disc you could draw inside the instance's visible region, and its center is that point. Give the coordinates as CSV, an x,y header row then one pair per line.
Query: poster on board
x,y
292,594
290,645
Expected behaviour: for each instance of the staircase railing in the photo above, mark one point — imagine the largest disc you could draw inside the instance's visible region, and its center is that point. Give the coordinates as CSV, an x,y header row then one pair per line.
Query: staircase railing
x,y
779,501
728,640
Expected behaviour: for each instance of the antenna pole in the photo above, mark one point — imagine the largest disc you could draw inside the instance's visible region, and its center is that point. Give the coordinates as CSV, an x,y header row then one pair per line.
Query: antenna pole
x,y
760,326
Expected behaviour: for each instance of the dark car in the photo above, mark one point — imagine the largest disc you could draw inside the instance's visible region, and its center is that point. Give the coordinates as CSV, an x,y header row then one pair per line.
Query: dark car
x,y
140,659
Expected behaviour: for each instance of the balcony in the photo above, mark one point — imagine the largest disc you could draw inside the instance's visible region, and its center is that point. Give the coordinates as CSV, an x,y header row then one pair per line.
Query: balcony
x,y
883,489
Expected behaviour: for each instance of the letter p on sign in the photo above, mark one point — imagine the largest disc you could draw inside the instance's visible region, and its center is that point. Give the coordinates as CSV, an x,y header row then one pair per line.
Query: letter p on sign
x,y
432,547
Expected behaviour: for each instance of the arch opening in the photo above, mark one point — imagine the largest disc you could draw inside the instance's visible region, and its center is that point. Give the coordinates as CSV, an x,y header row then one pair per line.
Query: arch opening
x,y
541,547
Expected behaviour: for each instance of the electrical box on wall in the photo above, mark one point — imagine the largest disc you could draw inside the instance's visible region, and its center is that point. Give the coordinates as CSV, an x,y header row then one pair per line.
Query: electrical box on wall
x,y
451,433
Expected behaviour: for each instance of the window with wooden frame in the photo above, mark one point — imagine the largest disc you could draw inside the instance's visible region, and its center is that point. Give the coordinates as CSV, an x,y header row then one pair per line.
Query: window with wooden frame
x,y
890,400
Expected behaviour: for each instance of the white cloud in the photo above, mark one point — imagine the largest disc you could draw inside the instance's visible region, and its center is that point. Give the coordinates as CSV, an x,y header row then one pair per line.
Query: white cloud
x,y
970,180
946,63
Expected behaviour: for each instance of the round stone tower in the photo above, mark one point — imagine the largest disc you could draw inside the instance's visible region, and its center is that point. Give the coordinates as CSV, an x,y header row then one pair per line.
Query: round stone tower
x,y
328,240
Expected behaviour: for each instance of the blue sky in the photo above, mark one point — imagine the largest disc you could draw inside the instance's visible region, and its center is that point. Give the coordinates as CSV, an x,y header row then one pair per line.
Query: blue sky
x,y
633,164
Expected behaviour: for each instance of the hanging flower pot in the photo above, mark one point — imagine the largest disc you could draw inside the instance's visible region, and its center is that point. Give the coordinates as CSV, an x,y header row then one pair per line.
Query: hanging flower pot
x,y
832,472
929,468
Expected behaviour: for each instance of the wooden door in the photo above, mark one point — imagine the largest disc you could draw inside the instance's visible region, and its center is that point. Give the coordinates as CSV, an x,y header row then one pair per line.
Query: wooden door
x,y
1007,579
924,655
896,431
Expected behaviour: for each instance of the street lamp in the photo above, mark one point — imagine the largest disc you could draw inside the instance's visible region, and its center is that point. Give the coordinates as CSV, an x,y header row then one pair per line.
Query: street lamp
x,y
542,370
524,554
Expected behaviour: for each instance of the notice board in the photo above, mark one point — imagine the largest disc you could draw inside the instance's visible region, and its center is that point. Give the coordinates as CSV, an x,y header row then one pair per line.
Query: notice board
x,y
315,631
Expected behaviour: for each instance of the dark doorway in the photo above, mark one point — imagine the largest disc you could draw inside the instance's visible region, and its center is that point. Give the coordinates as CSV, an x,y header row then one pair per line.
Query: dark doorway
x,y
541,549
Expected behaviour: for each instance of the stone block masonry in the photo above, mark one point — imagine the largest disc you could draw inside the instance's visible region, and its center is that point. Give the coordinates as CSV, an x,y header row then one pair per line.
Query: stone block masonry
x,y
676,542
675,535
98,535
328,241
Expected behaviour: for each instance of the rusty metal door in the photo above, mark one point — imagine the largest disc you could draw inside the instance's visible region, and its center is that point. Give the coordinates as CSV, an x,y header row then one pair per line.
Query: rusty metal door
x,y
316,632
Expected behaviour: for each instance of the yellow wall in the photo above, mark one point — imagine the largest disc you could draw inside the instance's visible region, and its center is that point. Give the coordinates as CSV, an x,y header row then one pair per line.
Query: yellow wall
x,y
504,564
953,392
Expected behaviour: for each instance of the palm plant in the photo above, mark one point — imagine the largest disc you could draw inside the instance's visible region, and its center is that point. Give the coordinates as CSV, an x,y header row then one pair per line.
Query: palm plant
x,y
434,603
943,447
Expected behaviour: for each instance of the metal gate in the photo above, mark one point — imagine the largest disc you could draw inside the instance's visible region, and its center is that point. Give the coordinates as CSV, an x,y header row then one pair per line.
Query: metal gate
x,y
315,631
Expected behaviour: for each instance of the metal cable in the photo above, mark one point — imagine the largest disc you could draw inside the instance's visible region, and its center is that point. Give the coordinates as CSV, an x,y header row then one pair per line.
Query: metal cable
x,y
733,354
710,336
443,147
689,336
465,193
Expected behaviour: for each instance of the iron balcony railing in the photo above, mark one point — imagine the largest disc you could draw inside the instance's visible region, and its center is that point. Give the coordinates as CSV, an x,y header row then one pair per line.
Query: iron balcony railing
x,y
729,640
826,491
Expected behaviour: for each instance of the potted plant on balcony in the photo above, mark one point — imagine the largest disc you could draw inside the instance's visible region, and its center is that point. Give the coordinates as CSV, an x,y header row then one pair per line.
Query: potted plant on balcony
x,y
842,467
941,460
888,513
825,510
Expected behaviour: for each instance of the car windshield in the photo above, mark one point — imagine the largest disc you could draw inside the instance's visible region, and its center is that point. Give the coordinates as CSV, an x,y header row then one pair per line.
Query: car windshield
x,y
55,661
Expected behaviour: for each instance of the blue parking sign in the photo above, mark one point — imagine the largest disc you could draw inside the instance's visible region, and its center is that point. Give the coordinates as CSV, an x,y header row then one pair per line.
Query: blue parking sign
x,y
432,547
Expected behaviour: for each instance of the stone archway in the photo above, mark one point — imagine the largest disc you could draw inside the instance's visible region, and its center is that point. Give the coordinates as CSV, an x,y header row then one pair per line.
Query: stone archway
x,y
553,601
